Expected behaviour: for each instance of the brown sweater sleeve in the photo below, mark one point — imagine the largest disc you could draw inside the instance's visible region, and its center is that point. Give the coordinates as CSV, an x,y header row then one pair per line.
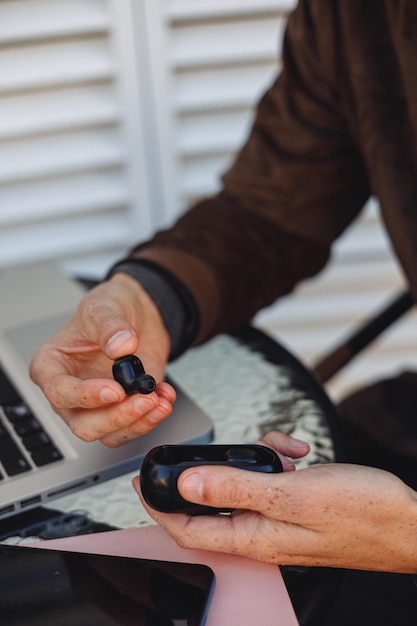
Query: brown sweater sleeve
x,y
294,187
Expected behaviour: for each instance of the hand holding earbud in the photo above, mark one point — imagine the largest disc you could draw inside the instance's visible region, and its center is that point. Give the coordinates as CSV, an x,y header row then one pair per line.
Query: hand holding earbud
x,y
73,368
130,373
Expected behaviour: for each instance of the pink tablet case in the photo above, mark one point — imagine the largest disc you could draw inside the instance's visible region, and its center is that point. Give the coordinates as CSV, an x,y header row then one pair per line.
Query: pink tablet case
x,y
248,593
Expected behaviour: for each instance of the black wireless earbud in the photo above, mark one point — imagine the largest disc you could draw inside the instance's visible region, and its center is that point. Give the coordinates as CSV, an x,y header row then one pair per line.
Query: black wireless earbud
x,y
130,373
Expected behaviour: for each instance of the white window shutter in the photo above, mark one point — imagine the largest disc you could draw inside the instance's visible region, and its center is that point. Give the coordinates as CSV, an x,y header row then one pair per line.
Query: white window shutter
x,y
72,178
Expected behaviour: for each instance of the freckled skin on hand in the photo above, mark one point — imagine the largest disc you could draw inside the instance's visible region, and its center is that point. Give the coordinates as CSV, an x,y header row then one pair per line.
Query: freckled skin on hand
x,y
329,515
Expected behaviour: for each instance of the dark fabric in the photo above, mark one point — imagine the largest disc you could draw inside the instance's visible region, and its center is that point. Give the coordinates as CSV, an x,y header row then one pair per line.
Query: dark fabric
x,y
380,426
374,599
337,125
313,592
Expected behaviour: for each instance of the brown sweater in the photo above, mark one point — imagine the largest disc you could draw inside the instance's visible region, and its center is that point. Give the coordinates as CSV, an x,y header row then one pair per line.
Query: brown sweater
x,y
338,125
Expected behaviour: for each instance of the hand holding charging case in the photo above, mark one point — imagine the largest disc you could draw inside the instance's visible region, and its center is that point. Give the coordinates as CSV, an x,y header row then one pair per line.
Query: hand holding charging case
x,y
163,465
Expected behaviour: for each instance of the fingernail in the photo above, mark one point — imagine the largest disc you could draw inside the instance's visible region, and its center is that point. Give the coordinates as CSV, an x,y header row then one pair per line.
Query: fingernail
x,y
143,405
156,416
297,443
192,487
118,340
108,395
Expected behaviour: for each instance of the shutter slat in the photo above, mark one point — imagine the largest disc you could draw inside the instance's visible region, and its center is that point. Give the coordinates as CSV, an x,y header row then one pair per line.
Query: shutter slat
x,y
221,87
213,132
87,192
62,109
318,310
353,277
259,39
66,237
49,18
55,64
186,10
60,154
312,341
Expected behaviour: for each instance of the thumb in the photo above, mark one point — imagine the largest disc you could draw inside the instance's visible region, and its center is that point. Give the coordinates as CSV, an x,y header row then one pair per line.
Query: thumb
x,y
225,487
123,340
111,330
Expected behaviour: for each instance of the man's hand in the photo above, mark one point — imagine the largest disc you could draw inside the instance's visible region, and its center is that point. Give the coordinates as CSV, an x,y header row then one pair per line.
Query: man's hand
x,y
329,515
74,367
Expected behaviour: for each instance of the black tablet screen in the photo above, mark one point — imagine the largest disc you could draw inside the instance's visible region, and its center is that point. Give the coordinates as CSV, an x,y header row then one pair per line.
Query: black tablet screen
x,y
51,588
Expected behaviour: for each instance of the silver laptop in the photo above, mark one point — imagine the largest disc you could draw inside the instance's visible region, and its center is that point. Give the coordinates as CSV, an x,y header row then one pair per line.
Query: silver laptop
x,y
40,458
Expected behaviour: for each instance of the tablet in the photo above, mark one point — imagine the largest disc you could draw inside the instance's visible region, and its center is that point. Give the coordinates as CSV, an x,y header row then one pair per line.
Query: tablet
x,y
59,588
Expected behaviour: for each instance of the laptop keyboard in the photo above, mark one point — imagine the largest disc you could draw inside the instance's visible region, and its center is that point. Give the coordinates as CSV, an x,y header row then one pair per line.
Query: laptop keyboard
x,y
24,443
